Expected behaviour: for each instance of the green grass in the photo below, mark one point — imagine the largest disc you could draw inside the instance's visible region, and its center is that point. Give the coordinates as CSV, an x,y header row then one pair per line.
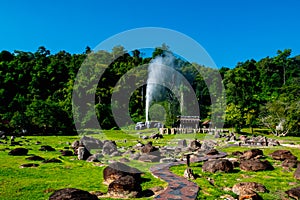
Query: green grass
x,y
40,182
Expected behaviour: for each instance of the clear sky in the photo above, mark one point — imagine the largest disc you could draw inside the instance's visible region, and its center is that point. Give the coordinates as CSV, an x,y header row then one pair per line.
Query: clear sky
x,y
230,30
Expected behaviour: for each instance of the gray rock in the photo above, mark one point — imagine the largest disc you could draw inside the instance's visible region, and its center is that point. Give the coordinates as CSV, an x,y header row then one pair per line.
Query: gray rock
x,y
83,153
109,147
167,160
149,158
91,143
182,143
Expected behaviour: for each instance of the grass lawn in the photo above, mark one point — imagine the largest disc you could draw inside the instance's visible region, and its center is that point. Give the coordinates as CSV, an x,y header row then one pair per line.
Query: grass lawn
x,y
39,183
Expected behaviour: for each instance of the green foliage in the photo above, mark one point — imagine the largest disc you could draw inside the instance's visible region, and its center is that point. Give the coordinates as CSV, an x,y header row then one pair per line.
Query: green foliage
x,y
36,90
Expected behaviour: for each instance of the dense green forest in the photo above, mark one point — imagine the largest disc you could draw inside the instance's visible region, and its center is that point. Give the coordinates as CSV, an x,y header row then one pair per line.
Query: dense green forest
x,y
36,90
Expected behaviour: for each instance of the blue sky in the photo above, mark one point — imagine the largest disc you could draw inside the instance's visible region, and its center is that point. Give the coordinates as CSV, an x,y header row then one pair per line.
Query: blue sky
x,y
230,30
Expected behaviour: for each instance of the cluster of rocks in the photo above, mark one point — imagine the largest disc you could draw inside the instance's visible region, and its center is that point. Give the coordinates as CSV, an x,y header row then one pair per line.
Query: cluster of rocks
x,y
83,148
251,160
247,141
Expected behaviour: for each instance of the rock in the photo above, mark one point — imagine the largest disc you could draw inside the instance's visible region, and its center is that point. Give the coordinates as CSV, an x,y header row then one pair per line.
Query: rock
x,y
124,160
91,143
297,172
249,194
75,144
29,165
95,157
135,156
208,145
148,148
221,165
116,170
109,147
149,158
273,142
212,152
282,155
182,143
239,187
18,152
157,189
195,144
234,161
115,153
72,194
52,160
236,153
252,153
147,193
156,136
66,153
189,174
289,163
46,148
145,137
294,193
83,153
167,160
125,187
255,165
35,158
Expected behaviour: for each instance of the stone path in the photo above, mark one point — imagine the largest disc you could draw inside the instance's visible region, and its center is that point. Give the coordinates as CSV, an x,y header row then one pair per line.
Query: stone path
x,y
178,187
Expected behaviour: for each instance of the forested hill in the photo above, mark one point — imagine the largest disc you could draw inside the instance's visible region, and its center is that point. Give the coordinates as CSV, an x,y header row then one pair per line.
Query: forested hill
x,y
36,91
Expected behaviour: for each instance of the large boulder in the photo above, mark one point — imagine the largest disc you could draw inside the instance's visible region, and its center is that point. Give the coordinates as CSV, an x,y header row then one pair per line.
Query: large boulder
x,y
294,193
255,165
282,155
83,153
221,165
239,187
91,143
116,170
297,172
109,147
72,194
18,152
125,187
252,153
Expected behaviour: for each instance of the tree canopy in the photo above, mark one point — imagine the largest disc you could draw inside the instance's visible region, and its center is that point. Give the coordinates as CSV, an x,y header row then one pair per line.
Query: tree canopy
x,y
36,90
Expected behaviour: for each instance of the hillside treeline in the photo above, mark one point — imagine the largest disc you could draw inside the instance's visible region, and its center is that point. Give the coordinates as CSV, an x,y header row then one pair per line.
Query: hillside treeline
x,y
36,90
